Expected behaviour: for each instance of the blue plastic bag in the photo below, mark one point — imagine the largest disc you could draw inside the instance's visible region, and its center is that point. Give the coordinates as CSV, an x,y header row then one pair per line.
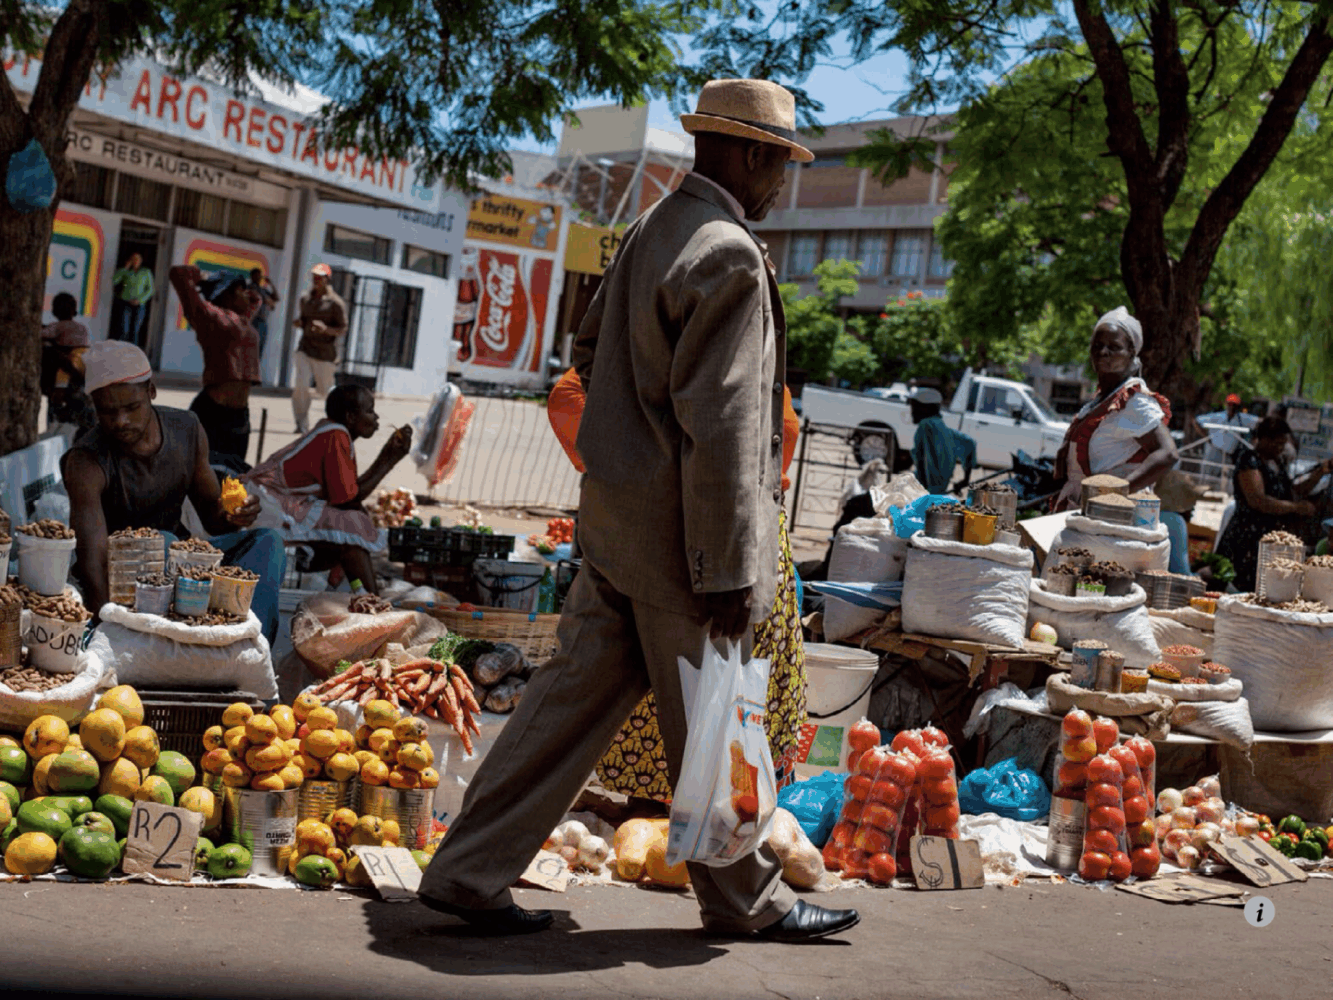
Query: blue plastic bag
x,y
1006,789
907,521
30,184
815,803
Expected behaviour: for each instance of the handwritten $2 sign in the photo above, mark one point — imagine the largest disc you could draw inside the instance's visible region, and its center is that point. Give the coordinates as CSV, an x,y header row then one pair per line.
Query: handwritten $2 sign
x,y
161,841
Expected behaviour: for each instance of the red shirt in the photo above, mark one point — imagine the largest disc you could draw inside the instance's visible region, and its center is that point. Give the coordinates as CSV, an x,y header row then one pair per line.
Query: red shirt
x,y
328,462
230,344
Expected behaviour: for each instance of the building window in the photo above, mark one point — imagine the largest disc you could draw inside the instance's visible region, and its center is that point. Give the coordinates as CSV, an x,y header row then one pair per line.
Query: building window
x,y
91,185
908,249
873,250
940,267
383,319
803,255
362,246
838,246
257,223
144,198
398,326
826,161
196,210
425,261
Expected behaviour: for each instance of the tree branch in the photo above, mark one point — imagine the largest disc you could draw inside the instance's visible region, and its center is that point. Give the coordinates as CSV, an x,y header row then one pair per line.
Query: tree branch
x,y
13,119
1171,80
67,63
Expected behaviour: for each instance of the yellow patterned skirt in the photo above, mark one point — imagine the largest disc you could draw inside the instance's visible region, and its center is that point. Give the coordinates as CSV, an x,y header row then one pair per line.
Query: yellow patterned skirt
x,y
635,764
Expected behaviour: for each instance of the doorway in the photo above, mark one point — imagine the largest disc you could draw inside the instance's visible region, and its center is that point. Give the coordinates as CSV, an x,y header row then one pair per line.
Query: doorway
x,y
145,241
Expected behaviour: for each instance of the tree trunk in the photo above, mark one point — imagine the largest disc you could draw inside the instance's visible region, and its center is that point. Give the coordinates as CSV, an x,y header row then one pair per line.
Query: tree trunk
x,y
25,238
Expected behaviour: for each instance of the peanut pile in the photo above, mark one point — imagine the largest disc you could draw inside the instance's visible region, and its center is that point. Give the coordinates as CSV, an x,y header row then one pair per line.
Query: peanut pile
x,y
212,618
4,539
134,533
235,573
155,580
1286,566
1320,562
31,598
193,545
9,595
65,609
1303,606
204,573
1281,538
47,528
32,679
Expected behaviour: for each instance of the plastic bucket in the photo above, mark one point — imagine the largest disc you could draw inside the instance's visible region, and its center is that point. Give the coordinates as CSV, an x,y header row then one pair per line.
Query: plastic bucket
x,y
44,563
505,584
1318,585
231,596
54,644
265,824
192,596
410,808
316,799
182,559
150,599
1281,586
838,694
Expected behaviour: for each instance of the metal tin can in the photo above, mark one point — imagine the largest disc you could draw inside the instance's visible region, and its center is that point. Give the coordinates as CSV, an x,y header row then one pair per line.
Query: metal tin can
x,y
1003,502
1064,834
945,524
1111,513
410,808
316,799
1147,509
1083,673
265,823
1110,667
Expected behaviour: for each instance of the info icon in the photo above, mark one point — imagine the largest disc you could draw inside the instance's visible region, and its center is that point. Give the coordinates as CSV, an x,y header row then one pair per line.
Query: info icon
x,y
1259,911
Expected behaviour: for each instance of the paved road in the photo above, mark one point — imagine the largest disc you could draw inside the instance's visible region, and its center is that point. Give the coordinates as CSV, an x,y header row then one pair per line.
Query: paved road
x,y
1034,941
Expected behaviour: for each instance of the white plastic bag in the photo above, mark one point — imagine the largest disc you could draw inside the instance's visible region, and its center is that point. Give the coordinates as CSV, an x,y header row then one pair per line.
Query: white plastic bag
x,y
724,802
1283,659
70,701
865,551
1137,549
958,591
1120,622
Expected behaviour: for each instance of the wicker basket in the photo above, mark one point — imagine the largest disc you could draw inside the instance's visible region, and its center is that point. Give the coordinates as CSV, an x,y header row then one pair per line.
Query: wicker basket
x,y
11,639
533,634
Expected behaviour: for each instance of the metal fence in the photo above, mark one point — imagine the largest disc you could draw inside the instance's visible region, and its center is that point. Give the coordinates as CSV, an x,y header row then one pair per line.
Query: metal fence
x,y
824,465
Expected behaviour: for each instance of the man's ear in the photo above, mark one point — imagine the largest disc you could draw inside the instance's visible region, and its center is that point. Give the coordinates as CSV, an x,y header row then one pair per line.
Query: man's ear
x,y
152,390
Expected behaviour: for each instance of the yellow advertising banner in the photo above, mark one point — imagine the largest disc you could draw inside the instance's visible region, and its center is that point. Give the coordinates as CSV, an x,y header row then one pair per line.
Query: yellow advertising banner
x,y
589,249
514,222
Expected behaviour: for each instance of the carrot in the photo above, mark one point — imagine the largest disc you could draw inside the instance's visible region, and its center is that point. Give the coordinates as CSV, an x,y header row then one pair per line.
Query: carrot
x,y
367,697
466,697
430,710
472,724
467,742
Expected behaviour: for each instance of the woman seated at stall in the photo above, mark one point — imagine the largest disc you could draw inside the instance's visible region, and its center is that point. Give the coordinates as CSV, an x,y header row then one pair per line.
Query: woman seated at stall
x,y
1266,498
310,492
1123,430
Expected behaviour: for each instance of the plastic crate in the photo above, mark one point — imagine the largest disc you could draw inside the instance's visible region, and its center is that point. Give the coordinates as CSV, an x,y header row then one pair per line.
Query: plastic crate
x,y
456,581
179,717
446,546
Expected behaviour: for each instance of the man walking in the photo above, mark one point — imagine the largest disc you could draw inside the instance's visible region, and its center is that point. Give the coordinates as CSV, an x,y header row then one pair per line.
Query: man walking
x,y
683,357
322,317
134,291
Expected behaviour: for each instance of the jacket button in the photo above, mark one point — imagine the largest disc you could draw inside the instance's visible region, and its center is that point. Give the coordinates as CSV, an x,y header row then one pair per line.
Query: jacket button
x,y
698,585
777,496
777,440
777,388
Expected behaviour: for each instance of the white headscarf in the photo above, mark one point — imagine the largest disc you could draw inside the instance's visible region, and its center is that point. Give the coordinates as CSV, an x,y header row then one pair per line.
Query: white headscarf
x,y
1120,319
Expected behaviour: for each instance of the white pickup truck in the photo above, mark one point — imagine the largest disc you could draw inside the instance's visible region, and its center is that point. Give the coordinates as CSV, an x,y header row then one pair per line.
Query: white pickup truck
x,y
1000,415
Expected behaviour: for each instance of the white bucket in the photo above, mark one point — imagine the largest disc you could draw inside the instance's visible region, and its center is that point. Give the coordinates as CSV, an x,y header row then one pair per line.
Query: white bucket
x,y
4,560
54,644
505,584
1317,585
44,563
838,694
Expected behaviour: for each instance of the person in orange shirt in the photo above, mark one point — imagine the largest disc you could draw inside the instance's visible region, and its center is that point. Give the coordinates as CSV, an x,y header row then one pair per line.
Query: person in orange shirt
x,y
635,764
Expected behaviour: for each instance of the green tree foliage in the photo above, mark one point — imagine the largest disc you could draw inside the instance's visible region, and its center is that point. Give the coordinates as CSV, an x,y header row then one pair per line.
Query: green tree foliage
x,y
817,335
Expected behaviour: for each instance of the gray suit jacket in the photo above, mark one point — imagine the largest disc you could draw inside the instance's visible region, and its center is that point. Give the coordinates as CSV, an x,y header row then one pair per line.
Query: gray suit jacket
x,y
683,356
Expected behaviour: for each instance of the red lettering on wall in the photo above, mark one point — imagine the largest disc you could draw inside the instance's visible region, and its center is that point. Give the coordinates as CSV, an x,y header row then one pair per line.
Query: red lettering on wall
x,y
402,177
349,161
367,169
388,171
331,160
234,117
311,150
256,127
277,134
297,149
143,94
169,93
196,122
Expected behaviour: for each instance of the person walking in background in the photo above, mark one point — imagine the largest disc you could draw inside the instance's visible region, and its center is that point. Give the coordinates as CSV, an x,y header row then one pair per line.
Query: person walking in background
x,y
134,291
268,298
937,448
1223,441
322,318
63,345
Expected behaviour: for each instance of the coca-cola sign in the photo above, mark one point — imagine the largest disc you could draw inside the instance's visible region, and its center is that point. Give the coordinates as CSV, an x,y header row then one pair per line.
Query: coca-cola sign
x,y
511,309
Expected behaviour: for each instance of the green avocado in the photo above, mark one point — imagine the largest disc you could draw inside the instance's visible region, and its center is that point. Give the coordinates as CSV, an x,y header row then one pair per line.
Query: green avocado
x,y
89,853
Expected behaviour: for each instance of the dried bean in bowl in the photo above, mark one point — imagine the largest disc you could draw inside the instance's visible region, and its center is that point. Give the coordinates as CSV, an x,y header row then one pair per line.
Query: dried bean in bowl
x,y
31,679
63,609
235,573
47,528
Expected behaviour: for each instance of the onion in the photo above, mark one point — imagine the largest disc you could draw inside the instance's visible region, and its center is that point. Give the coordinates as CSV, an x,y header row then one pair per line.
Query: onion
x,y
1229,827
1188,857
1193,795
1175,840
572,833
570,854
1202,834
1211,810
1169,800
1184,818
1162,825
593,853
1247,826
1211,786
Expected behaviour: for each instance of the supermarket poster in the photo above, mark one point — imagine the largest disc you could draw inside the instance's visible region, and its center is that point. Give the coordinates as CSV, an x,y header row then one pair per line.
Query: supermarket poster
x,y
74,261
212,257
513,296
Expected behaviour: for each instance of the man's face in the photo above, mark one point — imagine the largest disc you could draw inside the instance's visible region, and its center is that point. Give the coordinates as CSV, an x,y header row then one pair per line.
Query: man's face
x,y
364,422
768,173
135,261
320,283
125,412
241,300
1232,409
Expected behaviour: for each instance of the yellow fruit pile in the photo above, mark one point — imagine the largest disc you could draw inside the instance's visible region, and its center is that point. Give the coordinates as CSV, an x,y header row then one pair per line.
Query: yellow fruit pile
x,y
278,749
340,830
392,749
112,743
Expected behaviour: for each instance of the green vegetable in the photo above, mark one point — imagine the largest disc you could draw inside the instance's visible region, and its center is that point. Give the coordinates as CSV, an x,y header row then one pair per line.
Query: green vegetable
x,y
458,649
1285,844
436,522
1223,571
1292,824
1317,835
341,665
1309,850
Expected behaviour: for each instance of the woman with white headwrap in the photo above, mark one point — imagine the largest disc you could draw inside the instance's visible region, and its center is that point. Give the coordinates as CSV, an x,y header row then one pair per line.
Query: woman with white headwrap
x,y
1123,431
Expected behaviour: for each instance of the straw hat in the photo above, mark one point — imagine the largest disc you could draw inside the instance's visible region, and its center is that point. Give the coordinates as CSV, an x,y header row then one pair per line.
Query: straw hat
x,y
751,109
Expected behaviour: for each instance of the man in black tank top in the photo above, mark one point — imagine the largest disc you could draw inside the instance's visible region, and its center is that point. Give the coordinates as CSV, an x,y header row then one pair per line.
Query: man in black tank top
x,y
136,469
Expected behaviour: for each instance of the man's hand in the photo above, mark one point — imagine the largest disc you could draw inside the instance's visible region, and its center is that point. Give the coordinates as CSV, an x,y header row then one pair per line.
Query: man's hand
x,y
245,514
398,445
317,326
729,613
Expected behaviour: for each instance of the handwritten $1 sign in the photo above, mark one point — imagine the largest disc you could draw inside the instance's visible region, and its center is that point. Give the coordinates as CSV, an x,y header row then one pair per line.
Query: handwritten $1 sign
x,y
161,841
940,863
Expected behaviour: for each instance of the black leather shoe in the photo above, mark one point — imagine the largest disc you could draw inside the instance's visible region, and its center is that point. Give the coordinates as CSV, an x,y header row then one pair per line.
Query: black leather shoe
x,y
807,922
511,919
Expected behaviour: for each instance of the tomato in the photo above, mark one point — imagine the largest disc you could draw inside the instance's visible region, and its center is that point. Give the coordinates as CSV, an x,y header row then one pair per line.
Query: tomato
x,y
881,816
1265,835
883,869
872,760
853,759
855,864
900,769
842,834
873,841
851,811
1125,757
858,787
1106,818
1080,751
1120,866
863,735
890,794
1136,810
1104,768
1077,724
1132,788
909,739
940,791
934,737
1143,834
944,833
941,817
1094,866
1071,776
1102,794
1101,840
832,855
1144,861
936,764
1105,732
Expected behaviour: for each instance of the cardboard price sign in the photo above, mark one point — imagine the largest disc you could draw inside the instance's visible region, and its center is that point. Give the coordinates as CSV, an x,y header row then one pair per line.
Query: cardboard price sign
x,y
161,841
1260,863
940,863
1182,889
392,870
547,871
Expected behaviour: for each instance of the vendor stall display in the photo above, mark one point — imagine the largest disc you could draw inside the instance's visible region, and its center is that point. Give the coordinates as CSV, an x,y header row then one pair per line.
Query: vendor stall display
x,y
1122,622
132,553
1137,548
960,591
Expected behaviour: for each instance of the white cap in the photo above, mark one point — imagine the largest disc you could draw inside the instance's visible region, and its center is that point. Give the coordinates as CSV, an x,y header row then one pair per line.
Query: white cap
x,y
114,362
930,397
